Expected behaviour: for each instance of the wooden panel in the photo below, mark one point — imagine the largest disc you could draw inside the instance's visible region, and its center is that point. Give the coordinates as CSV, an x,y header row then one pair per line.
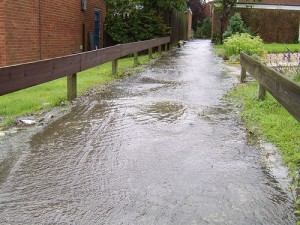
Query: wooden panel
x,y
22,76
284,90
18,77
98,57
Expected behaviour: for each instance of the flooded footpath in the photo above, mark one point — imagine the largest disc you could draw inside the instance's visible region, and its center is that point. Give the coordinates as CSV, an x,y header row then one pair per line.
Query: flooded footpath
x,y
158,148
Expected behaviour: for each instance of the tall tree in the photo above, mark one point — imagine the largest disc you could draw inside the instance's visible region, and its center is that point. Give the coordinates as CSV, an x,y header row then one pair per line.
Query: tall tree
x,y
157,5
225,6
165,5
198,9
128,21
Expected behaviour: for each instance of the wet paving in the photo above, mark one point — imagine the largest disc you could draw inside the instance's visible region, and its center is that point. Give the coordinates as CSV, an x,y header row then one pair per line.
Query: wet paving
x,y
158,148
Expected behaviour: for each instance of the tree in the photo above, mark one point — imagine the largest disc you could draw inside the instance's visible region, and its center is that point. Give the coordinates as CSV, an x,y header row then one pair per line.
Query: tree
x,y
165,5
121,6
225,6
236,25
198,9
204,29
135,20
156,5
129,21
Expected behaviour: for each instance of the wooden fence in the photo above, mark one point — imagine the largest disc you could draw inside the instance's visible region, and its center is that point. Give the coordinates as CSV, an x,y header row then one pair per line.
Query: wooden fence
x,y
284,90
18,77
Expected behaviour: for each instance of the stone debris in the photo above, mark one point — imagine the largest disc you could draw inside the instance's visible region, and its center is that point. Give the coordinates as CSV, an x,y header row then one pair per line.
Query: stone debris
x,y
28,122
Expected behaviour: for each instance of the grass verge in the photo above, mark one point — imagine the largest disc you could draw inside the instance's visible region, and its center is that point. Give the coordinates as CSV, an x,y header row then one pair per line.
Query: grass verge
x,y
46,96
270,121
281,48
271,47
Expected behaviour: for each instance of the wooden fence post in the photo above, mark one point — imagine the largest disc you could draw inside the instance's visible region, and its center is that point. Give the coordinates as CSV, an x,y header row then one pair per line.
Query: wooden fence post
x,y
136,58
150,53
72,86
166,47
115,67
159,49
261,92
243,75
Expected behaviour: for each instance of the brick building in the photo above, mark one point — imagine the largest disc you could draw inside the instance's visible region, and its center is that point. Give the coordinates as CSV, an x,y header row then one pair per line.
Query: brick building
x,y
272,20
31,30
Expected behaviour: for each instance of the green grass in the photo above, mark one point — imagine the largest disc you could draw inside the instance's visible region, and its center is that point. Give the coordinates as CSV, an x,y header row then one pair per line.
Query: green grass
x,y
46,96
269,120
272,48
281,48
297,77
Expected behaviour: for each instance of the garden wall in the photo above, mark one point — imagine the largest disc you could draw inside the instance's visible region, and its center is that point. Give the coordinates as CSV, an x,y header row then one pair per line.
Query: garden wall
x,y
271,25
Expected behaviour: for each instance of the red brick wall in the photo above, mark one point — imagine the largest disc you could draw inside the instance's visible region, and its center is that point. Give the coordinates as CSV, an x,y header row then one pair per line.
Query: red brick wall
x,y
2,37
61,27
21,31
41,29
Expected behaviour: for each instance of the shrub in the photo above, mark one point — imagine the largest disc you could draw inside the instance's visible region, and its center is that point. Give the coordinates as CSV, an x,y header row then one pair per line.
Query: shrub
x,y
252,45
236,25
204,29
138,26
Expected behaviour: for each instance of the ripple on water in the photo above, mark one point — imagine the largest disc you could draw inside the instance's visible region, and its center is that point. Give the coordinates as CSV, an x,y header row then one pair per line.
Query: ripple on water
x,y
167,112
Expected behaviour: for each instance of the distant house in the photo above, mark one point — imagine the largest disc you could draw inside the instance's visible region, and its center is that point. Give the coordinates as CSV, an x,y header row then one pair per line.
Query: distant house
x,y
273,20
31,30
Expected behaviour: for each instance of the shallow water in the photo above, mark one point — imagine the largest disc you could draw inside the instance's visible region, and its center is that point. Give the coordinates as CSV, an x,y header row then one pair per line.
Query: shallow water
x,y
158,148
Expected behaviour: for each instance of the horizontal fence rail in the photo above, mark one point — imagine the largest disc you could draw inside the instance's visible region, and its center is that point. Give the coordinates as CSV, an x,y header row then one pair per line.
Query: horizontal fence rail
x,y
18,77
284,90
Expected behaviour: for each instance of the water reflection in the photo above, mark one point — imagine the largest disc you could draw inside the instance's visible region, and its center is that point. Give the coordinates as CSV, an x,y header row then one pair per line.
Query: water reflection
x,y
142,151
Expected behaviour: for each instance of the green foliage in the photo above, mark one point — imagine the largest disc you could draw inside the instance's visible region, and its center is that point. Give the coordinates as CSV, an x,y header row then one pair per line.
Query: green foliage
x,y
165,5
198,7
281,48
244,42
137,26
297,77
148,5
204,29
236,25
121,6
225,5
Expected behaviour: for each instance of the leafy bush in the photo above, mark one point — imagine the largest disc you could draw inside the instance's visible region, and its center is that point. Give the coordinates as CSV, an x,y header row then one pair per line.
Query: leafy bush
x,y
252,45
139,25
204,29
236,25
